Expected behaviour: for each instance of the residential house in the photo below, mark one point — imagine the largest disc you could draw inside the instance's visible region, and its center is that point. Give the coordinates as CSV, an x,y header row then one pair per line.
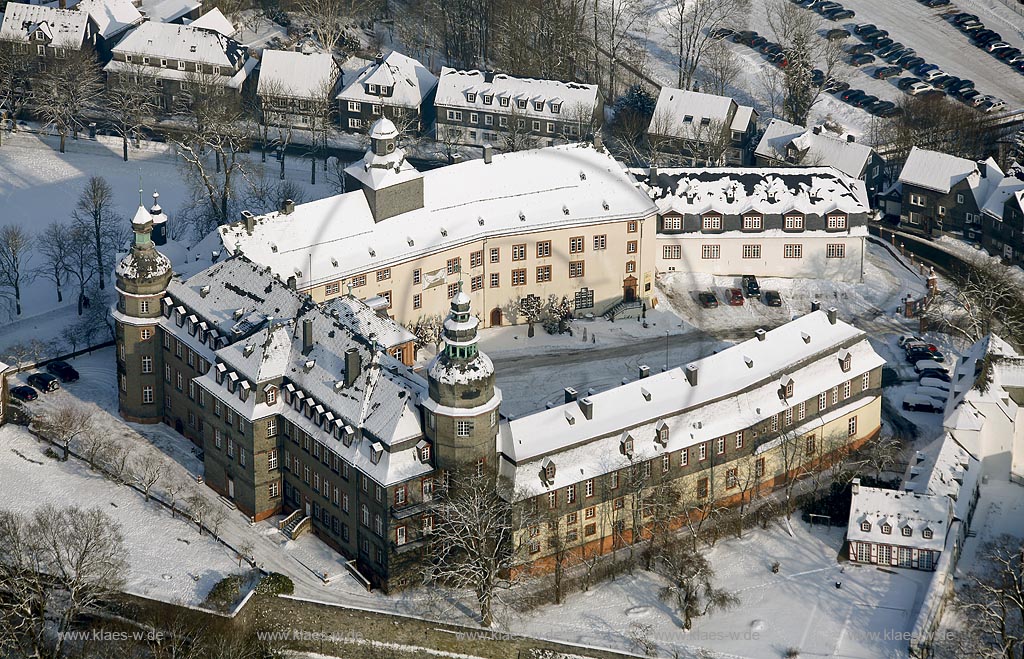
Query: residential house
x,y
215,20
778,222
397,87
297,89
483,107
784,144
897,528
112,20
692,128
47,32
184,60
944,194
1002,217
170,11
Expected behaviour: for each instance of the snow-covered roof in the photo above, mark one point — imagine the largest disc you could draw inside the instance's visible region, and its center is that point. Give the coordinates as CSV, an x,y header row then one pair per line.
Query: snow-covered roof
x,y
410,81
516,193
296,75
112,17
948,470
982,375
215,21
935,170
182,42
1006,186
454,89
735,389
62,27
899,510
816,146
168,11
362,320
678,113
764,190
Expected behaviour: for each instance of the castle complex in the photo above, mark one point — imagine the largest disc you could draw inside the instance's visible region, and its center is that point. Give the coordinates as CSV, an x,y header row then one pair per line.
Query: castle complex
x,y
303,407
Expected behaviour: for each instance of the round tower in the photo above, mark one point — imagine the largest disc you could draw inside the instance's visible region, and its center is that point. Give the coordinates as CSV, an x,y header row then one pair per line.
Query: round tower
x,y
142,277
462,411
383,134
159,221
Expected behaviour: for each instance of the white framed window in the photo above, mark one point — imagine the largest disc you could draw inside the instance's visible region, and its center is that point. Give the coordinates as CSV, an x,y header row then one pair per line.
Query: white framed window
x,y
145,334
835,251
271,427
672,223
355,123
147,395
702,451
836,221
751,251
865,381
822,400
710,251
711,223
474,118
720,445
851,426
684,457
672,251
739,439
794,221
354,106
752,222
463,428
801,411
600,242
793,251
846,389
147,364
917,200
454,115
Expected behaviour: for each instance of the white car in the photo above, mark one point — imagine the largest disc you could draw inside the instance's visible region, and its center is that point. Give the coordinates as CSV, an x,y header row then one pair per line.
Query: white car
x,y
999,45
932,392
926,365
919,88
992,105
932,75
934,383
908,338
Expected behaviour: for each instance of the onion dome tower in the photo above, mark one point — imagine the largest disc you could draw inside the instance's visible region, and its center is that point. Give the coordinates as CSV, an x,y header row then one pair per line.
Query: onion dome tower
x,y
159,221
391,184
142,278
462,410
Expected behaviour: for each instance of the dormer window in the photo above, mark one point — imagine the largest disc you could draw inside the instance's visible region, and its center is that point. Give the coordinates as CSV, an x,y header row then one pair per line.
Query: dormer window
x,y
556,108
424,451
886,529
347,435
786,388
688,119
865,526
752,222
794,221
521,104
471,97
845,360
549,472
907,531
271,393
662,437
626,445
371,89
836,221
376,450
538,106
927,533
711,223
503,101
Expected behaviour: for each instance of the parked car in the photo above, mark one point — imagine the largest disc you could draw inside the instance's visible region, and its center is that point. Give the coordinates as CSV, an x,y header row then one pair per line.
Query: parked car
x,y
63,370
936,3
895,56
961,86
934,383
859,49
758,41
817,77
979,100
44,382
992,105
750,286
1006,54
865,101
771,47
22,392
885,51
911,62
969,95
864,28
918,354
879,107
993,46
905,82
920,345
735,297
743,37
834,86
885,72
924,68
779,59
944,82
932,392
722,33
772,298
971,27
930,367
933,74
858,60
919,88
1015,59
908,338
839,14
883,43
941,376
894,111
851,95
707,299
871,35
836,34
915,403
963,17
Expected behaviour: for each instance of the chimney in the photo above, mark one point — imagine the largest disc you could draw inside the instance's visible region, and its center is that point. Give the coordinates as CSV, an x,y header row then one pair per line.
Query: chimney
x,y
832,313
250,221
855,485
204,291
379,59
816,130
653,173
851,138
353,365
982,169
760,334
645,371
570,394
307,336
815,305
488,154
63,4
587,407
598,142
691,374
288,207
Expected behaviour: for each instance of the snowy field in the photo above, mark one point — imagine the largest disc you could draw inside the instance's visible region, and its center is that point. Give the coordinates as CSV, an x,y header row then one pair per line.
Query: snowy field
x,y
167,558
909,22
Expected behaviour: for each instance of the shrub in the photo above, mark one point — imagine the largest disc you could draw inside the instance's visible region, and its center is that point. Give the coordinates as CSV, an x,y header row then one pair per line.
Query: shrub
x,y
275,583
223,596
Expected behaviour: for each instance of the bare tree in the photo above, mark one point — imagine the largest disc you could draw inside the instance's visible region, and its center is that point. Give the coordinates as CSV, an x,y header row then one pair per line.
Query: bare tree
x,y
95,448
173,487
52,246
94,213
65,423
476,540
64,94
198,508
614,21
320,104
690,23
147,470
770,90
81,261
692,590
16,67
15,255
882,453
130,101
326,20
119,463
428,330
721,68
993,600
984,297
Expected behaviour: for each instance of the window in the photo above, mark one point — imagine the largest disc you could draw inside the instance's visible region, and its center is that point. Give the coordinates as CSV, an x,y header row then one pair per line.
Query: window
x,y
519,277
271,427
454,265
886,529
147,395
400,495
543,273
959,198
702,488
809,445
384,274
453,289
454,115
474,118
630,266
711,223
720,445
684,457
417,301
463,428
865,382
666,463
495,279
600,242
836,221
143,306
358,280
576,268
942,211
731,478
672,223
835,395
576,244
865,526
147,364
241,455
751,251
519,252
476,283
822,400
917,200
927,534
710,251
793,251
789,416
851,426
619,504
570,494
145,334
543,249
835,251
672,251
272,459
751,222
759,468
417,276
631,226
476,259
794,222
536,125
613,480
589,487
495,255
702,451
631,247
907,531
552,499
231,454
739,439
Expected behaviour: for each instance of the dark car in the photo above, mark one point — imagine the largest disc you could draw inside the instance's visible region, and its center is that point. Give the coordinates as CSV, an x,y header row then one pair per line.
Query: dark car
x,y
735,297
1007,53
817,77
924,68
772,298
865,101
21,392
750,286
911,62
771,47
905,82
852,95
757,42
884,72
44,382
936,373
840,14
63,370
944,82
919,354
936,3
896,55
858,60
864,28
836,34
963,17
779,59
743,36
971,27
969,96
916,403
960,87
722,33
874,35
985,37
894,111
885,51
859,49
878,107
882,43
834,86
707,299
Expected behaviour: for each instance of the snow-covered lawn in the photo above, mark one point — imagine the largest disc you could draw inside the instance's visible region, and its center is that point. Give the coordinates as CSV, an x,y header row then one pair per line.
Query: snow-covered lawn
x,y
798,608
167,558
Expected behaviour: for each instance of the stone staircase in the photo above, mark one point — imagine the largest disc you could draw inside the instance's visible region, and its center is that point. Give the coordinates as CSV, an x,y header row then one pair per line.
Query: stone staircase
x,y
621,307
294,524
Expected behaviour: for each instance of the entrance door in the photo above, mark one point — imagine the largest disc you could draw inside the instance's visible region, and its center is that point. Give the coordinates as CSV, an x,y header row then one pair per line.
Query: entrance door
x,y
884,555
903,557
496,317
309,508
629,289
231,488
179,426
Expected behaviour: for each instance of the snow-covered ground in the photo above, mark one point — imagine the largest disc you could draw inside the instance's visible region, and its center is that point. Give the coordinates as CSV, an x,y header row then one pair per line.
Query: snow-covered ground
x,y
167,558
